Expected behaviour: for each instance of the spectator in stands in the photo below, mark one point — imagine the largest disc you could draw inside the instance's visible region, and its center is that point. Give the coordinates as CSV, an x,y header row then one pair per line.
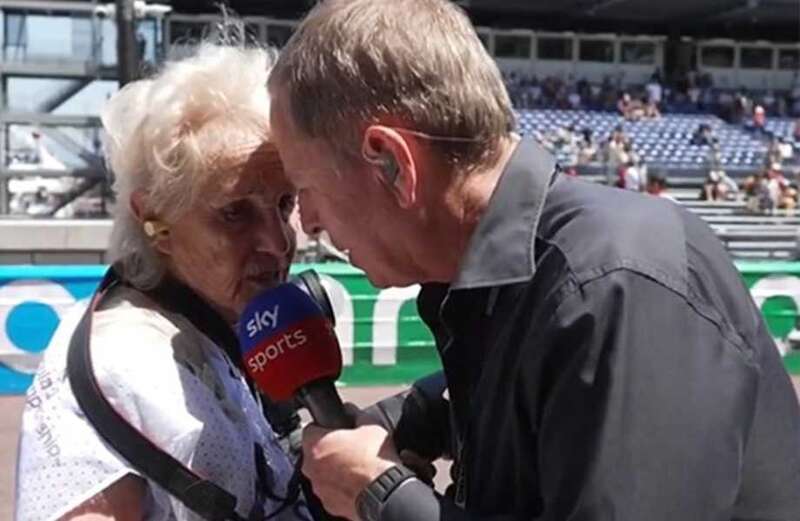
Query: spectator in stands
x,y
200,229
774,152
719,187
657,186
651,110
632,173
703,136
564,145
574,99
782,194
584,89
757,193
624,104
587,148
714,156
742,108
796,132
630,108
632,176
759,122
654,88
694,92
616,154
785,148
705,80
789,200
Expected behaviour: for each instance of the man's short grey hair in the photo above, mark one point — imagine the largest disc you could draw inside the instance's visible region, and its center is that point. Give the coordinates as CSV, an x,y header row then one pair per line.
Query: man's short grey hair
x,y
410,63
169,135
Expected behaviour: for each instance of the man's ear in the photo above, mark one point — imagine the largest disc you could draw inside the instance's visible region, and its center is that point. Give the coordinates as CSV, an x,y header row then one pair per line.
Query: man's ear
x,y
391,154
156,230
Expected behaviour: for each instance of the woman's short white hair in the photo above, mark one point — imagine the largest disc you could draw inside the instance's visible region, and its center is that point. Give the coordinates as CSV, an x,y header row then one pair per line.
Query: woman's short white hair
x,y
169,134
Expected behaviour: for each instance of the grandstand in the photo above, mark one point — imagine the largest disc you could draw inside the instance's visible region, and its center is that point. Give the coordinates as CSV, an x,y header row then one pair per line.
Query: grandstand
x,y
664,142
51,94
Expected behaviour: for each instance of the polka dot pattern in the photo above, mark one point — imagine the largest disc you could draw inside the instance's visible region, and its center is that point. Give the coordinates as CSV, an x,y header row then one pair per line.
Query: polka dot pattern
x,y
173,385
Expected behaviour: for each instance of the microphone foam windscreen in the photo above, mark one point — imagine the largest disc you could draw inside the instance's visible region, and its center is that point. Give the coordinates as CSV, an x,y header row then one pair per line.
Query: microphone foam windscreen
x,y
287,342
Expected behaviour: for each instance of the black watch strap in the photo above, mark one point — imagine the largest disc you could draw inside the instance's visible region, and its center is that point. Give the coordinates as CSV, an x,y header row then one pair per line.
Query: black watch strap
x,y
372,498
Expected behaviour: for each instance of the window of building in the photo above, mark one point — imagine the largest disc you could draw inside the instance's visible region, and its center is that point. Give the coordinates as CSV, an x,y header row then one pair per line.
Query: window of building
x,y
555,49
253,32
717,56
181,32
789,59
512,46
755,58
596,51
279,34
638,53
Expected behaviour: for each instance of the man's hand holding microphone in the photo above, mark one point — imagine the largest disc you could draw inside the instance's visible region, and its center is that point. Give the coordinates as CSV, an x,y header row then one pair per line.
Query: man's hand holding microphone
x,y
290,350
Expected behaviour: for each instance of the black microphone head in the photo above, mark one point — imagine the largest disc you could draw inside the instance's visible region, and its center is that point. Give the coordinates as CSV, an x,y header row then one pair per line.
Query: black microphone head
x,y
310,283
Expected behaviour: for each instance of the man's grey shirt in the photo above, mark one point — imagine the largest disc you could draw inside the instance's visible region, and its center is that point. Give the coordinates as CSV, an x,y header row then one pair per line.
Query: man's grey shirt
x,y
606,362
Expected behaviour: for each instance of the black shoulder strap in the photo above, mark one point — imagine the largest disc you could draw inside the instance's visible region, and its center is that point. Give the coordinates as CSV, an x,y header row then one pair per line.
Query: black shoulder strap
x,y
180,299
203,497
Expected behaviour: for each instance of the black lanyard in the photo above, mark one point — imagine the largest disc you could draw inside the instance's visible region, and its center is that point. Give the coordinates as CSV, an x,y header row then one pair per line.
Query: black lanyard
x,y
202,496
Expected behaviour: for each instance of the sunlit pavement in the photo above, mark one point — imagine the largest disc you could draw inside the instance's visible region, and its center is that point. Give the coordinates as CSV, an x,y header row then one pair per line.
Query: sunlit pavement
x,y
11,409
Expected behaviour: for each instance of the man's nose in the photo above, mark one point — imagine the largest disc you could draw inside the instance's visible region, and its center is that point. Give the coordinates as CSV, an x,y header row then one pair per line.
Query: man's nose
x,y
309,217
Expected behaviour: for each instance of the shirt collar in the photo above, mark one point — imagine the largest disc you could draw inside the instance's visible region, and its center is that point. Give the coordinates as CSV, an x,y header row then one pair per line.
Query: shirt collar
x,y
501,250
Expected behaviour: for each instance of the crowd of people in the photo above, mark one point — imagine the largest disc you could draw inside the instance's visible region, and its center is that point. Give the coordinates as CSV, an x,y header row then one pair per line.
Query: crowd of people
x,y
554,92
626,167
691,92
773,187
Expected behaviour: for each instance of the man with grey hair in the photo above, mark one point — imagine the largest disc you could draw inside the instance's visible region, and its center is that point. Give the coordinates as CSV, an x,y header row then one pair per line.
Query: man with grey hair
x,y
603,358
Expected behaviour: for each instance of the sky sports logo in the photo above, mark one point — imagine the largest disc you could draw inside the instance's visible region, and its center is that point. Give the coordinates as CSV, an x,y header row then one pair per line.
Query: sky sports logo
x,y
262,320
287,341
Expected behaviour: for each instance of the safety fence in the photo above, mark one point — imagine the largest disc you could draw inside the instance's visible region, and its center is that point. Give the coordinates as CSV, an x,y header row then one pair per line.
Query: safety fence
x,y
383,340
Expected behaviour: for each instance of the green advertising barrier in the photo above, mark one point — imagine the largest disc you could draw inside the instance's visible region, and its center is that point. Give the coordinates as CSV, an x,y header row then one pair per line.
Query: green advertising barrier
x,y
775,287
383,340
388,343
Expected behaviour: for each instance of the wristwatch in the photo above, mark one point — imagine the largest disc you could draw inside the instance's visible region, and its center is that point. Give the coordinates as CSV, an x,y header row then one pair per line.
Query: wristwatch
x,y
372,498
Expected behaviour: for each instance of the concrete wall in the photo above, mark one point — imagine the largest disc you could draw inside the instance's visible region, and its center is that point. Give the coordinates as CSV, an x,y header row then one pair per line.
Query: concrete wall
x,y
33,241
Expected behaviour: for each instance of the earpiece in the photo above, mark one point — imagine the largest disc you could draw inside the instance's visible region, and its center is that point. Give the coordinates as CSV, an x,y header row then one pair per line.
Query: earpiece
x,y
155,228
389,168
387,164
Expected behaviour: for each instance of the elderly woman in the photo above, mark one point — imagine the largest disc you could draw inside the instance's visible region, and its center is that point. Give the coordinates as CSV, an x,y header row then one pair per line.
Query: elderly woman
x,y
202,217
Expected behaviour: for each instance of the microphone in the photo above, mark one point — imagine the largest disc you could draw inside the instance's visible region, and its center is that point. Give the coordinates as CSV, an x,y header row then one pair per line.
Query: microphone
x,y
290,349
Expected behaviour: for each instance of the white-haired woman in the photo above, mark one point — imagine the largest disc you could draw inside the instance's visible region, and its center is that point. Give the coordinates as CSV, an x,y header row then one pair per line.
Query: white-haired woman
x,y
203,217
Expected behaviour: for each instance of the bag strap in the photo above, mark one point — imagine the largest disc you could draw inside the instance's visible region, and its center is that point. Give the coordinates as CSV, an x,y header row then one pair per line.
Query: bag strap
x,y
205,498
179,299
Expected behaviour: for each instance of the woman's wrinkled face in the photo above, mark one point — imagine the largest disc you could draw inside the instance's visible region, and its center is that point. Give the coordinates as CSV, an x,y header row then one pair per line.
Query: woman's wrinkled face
x,y
235,240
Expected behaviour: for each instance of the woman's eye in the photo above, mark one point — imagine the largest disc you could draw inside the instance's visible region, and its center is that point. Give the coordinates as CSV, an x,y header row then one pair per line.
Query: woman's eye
x,y
234,212
286,205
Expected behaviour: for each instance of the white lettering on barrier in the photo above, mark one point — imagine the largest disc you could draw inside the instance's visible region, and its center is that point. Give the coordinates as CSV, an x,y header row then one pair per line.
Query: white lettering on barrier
x,y
342,304
777,286
386,317
17,292
386,314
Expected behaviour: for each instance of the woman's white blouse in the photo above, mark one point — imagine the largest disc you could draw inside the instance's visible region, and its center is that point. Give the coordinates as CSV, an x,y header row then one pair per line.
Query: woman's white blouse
x,y
171,383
